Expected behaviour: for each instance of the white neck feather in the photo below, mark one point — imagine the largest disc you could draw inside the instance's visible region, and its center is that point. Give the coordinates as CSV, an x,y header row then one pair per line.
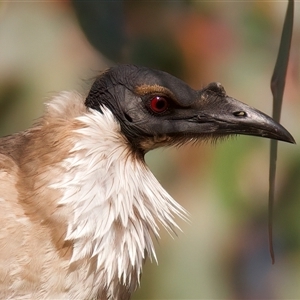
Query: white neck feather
x,y
115,199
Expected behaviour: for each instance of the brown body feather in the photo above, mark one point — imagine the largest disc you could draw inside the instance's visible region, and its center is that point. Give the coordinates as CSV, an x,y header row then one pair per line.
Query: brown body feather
x,y
33,224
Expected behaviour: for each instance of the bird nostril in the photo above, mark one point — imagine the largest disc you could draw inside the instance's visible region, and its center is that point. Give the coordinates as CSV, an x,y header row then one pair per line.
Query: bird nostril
x,y
240,114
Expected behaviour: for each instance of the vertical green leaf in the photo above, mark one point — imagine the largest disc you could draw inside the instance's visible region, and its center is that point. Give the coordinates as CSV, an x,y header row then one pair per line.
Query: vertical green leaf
x,y
277,88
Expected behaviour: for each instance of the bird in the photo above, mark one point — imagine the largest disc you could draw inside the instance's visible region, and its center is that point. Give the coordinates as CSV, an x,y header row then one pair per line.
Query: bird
x,y
79,207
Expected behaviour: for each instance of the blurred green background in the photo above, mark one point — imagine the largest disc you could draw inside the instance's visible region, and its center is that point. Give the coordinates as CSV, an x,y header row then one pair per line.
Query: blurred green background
x,y
46,47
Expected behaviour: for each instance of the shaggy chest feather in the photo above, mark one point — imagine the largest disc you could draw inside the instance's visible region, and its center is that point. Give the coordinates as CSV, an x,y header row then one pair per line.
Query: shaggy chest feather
x,y
116,205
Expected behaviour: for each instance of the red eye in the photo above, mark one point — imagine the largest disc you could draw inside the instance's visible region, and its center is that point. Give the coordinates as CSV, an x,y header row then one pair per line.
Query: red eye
x,y
159,104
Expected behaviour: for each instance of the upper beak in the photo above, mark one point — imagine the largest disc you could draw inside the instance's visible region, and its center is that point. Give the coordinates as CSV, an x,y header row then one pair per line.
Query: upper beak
x,y
221,114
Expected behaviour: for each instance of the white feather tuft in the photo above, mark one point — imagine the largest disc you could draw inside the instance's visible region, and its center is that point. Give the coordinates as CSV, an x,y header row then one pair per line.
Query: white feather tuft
x,y
116,202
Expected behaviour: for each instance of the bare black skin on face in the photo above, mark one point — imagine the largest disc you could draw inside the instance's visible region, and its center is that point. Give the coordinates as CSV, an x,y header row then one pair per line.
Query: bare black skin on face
x,y
155,109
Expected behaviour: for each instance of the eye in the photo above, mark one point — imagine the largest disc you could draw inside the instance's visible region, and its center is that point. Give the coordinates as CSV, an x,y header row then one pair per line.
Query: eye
x,y
159,104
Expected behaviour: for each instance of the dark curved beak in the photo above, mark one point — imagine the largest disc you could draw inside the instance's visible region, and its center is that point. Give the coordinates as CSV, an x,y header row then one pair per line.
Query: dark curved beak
x,y
221,114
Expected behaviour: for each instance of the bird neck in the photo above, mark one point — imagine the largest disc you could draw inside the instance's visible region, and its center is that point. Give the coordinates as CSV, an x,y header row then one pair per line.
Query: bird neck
x,y
115,201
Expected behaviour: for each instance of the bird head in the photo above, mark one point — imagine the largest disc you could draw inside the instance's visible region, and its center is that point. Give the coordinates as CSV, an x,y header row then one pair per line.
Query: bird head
x,y
155,109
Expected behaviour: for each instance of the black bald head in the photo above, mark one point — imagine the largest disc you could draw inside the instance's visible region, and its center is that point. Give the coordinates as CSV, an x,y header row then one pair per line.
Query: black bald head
x,y
155,108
